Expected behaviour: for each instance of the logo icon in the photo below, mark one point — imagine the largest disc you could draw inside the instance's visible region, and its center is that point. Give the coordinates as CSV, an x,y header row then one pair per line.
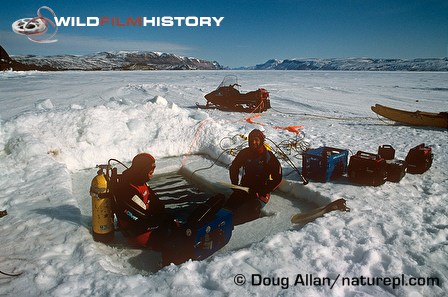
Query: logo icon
x,y
35,29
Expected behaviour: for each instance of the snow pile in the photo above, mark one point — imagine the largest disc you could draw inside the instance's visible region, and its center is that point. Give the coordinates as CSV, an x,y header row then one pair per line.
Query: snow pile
x,y
55,127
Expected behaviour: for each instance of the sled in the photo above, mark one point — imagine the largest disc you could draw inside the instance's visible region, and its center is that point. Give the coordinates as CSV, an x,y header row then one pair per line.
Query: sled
x,y
416,118
227,97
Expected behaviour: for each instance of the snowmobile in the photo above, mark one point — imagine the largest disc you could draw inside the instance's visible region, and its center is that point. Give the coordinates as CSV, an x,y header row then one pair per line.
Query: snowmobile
x,y
228,97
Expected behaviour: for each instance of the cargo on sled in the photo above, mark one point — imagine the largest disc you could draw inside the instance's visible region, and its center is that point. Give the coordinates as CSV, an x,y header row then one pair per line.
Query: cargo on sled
x,y
197,235
228,97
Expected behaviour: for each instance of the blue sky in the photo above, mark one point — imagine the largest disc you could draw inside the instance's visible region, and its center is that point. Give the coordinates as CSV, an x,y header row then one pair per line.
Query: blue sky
x,y
252,31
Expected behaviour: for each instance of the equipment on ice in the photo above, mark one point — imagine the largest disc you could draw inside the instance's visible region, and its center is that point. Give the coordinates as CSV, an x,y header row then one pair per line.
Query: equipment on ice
x,y
367,169
102,214
419,159
228,97
395,169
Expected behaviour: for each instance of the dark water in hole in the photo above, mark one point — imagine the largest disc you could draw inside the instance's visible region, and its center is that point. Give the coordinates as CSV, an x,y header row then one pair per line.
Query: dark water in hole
x,y
180,197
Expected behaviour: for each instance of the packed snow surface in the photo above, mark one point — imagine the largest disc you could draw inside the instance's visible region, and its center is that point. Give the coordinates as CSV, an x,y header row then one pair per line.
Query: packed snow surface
x,y
55,127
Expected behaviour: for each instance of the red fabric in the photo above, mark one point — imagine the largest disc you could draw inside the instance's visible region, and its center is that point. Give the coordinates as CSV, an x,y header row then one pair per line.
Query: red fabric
x,y
264,198
140,240
144,191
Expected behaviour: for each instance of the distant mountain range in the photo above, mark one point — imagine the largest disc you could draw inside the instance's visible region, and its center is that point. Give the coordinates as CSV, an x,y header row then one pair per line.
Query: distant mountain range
x,y
122,60
145,60
355,64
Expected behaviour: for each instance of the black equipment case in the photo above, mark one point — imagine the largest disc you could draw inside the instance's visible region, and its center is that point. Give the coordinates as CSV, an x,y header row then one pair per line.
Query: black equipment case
x,y
367,169
396,170
419,159
386,151
207,230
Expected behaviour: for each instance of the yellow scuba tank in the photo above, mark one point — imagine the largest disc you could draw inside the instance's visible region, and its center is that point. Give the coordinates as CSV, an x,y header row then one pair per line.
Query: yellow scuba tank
x,y
102,214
